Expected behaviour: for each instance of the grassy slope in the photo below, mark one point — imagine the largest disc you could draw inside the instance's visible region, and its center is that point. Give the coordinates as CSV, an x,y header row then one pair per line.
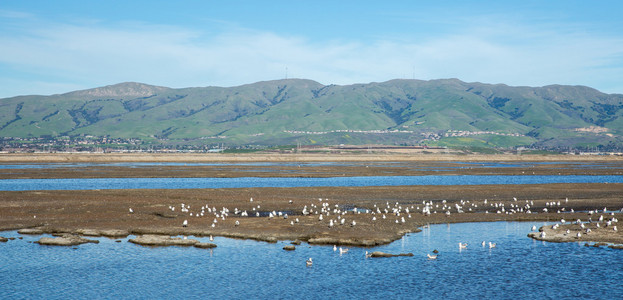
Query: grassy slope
x,y
262,112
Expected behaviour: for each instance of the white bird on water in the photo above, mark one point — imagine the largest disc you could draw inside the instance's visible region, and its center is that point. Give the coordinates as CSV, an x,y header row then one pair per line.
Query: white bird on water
x,y
483,243
334,248
309,262
343,250
492,245
431,256
462,246
533,227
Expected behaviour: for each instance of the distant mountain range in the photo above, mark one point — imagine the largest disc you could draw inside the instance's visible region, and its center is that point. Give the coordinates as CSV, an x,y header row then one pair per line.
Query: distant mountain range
x,y
445,112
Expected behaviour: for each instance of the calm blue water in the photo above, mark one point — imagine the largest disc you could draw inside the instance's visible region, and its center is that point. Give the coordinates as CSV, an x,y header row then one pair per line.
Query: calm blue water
x,y
518,267
246,182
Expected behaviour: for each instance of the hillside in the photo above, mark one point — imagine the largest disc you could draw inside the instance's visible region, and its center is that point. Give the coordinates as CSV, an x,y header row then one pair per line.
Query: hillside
x,y
445,112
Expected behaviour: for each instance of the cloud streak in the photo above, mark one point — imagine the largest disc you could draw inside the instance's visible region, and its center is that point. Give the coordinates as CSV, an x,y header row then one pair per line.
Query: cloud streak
x,y
94,54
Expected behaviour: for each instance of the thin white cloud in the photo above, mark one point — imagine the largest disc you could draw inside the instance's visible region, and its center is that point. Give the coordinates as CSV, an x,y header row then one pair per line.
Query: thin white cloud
x,y
94,55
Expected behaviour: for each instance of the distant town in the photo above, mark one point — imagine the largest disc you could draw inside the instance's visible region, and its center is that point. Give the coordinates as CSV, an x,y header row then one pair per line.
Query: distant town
x,y
93,144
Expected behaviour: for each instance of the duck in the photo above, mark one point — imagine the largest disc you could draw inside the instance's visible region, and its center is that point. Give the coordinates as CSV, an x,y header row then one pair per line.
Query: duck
x,y
309,262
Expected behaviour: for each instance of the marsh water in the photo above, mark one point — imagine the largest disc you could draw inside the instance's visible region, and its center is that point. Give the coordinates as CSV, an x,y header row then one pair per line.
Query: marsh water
x,y
518,267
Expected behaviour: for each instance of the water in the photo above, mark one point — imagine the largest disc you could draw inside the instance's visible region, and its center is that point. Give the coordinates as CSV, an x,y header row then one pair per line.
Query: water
x,y
247,182
518,267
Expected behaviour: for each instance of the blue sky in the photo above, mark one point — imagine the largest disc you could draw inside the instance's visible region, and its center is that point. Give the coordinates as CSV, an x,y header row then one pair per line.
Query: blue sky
x,y
49,47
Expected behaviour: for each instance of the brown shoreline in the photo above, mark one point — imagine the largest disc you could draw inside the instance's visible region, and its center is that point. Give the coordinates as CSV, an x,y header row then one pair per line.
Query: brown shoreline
x,y
98,211
287,157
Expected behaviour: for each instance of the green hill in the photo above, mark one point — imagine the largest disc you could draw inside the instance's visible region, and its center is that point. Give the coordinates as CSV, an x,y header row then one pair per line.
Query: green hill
x,y
445,112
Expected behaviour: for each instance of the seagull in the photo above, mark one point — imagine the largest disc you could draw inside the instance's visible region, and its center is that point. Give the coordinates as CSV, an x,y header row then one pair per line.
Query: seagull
x,y
368,254
483,243
492,245
211,238
131,210
533,227
309,262
431,256
334,248
185,224
344,250
462,246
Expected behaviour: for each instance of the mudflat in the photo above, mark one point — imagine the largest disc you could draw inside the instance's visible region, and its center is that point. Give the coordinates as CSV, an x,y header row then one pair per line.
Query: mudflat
x,y
360,216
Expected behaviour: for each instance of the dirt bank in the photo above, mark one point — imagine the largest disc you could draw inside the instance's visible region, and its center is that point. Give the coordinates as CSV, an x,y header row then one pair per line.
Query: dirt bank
x,y
161,212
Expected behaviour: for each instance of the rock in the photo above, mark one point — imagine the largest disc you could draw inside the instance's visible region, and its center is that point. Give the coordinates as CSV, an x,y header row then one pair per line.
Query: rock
x,y
161,240
30,231
205,245
296,242
289,248
616,246
114,233
65,240
383,254
435,251
88,232
3,239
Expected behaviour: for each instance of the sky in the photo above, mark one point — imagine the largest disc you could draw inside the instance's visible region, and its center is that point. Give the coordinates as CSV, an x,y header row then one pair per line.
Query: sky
x,y
52,47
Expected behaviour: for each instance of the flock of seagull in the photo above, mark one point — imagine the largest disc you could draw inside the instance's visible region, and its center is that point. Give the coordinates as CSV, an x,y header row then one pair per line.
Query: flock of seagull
x,y
336,215
584,227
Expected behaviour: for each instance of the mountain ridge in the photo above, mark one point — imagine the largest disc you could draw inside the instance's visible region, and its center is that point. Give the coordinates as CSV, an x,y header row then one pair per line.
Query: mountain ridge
x,y
446,112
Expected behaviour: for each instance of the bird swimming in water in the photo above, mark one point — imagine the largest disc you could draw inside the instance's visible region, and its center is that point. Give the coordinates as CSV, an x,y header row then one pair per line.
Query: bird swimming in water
x,y
492,245
309,262
343,250
431,256
462,246
334,248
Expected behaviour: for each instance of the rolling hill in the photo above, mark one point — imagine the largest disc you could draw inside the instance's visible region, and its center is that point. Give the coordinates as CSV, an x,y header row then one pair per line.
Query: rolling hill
x,y
445,112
